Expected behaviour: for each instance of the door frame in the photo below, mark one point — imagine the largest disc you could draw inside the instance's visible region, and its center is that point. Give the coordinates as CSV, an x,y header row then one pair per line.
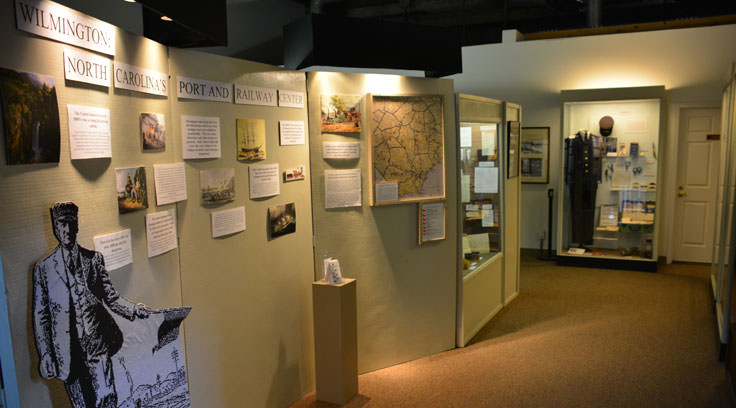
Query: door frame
x,y
671,151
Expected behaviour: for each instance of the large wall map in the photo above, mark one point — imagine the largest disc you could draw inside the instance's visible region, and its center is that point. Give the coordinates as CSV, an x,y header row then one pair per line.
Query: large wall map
x,y
407,149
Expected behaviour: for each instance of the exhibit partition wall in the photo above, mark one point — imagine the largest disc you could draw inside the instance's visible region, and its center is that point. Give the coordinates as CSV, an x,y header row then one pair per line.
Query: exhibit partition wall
x,y
382,150
29,190
245,232
722,268
481,164
188,171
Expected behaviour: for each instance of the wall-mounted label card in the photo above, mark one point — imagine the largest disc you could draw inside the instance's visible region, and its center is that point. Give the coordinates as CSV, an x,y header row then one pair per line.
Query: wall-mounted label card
x,y
252,95
487,214
161,232
387,191
466,136
228,222
343,188
200,137
340,150
201,89
140,79
116,249
86,67
433,221
291,132
60,23
89,132
264,180
171,183
486,179
291,99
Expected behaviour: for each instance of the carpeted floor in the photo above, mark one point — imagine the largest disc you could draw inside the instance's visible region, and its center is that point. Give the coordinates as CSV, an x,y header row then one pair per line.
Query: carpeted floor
x,y
574,337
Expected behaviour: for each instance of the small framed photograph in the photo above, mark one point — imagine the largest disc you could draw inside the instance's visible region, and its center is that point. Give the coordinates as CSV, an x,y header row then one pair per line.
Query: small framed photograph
x,y
153,131
535,155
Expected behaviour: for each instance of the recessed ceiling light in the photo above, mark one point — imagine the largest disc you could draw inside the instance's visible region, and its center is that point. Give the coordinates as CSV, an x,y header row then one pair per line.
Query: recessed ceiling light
x,y
166,18
129,1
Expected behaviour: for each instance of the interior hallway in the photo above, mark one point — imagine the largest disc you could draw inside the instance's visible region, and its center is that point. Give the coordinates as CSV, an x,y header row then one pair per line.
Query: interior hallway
x,y
574,337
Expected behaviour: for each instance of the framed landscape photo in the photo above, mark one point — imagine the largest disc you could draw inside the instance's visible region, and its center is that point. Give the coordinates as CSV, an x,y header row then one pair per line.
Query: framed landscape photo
x,y
407,151
535,155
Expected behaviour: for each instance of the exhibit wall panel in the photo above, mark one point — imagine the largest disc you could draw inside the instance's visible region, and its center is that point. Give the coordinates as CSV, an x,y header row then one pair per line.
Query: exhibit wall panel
x,y
406,293
29,190
249,336
532,73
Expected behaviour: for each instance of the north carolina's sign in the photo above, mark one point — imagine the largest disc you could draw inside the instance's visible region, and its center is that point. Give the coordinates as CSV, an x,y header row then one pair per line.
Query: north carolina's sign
x,y
60,23
140,79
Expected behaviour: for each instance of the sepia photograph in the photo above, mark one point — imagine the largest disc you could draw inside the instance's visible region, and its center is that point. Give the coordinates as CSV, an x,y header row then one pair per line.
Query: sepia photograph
x,y
218,185
282,220
251,134
340,113
30,117
131,188
153,131
296,173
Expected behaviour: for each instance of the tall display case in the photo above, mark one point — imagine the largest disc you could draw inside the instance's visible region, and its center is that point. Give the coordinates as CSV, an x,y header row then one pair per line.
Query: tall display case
x,y
610,177
481,172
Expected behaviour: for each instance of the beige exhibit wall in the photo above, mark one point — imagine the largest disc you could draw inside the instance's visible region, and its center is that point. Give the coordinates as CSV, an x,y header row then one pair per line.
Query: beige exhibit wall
x,y
249,337
29,190
691,63
406,294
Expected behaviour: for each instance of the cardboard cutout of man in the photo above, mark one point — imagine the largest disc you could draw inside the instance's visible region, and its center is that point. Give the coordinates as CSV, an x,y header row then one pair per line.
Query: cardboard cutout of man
x,y
75,334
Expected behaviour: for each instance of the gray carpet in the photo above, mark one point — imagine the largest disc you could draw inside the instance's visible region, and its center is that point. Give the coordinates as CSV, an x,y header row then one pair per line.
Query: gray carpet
x,y
574,337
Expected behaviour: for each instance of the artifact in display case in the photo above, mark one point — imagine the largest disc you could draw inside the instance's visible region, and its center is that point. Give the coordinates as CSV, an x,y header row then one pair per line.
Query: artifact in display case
x,y
480,178
609,190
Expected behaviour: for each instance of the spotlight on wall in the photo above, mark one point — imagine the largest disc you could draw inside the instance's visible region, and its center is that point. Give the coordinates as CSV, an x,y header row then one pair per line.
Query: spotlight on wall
x,y
165,18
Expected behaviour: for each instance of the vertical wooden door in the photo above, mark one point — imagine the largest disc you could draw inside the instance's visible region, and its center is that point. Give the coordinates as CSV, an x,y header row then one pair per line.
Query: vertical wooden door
x,y
697,183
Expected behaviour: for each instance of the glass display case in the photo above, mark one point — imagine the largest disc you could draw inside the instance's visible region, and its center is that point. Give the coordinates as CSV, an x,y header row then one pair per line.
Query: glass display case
x,y
609,177
480,180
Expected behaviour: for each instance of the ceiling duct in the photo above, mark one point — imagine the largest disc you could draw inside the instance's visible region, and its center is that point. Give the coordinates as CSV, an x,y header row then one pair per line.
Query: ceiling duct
x,y
326,40
193,24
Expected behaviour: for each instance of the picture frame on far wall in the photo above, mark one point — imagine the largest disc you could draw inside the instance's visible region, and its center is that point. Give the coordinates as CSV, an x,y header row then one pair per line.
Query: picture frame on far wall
x,y
534,154
512,149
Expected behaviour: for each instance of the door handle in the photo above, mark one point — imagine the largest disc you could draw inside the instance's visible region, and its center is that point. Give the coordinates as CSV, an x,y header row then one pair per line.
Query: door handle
x,y
681,192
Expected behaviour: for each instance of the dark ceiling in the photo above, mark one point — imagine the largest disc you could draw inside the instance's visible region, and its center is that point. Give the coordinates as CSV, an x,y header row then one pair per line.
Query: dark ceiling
x,y
482,21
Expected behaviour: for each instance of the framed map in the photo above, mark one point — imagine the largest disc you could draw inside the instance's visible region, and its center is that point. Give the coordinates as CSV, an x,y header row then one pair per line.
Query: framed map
x,y
407,151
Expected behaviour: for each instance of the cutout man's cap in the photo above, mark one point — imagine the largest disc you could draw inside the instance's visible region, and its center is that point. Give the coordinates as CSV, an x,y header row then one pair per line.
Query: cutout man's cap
x,y
64,210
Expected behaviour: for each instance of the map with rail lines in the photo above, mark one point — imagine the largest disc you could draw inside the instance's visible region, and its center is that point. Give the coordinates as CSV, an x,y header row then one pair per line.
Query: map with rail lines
x,y
407,143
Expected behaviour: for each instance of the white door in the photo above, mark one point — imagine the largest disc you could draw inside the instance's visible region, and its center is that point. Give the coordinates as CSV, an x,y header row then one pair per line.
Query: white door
x,y
697,183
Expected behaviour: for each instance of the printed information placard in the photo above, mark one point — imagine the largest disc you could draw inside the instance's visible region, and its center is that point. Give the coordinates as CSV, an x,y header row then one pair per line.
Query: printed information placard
x,y
342,188
228,222
171,184
200,137
291,132
264,180
161,232
89,132
116,249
